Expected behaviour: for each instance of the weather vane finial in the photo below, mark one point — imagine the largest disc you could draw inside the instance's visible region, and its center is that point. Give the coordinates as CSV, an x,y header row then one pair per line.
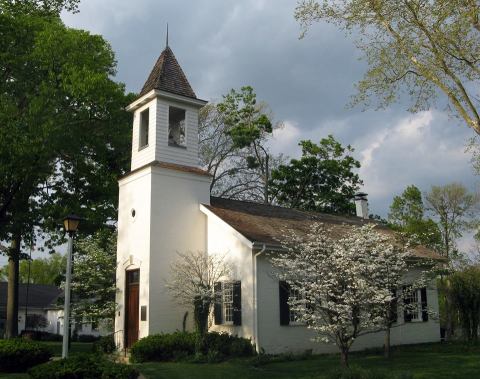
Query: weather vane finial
x,y
167,34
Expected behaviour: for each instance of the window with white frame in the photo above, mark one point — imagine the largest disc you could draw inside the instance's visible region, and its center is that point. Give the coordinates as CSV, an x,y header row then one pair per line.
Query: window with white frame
x,y
296,296
413,305
227,302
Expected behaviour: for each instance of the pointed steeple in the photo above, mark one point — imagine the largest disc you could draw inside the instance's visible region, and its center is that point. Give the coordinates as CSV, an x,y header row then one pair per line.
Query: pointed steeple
x,y
168,76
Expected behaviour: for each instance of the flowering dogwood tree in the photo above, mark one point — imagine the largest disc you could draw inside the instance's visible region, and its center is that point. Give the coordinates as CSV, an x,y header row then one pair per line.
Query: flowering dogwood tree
x,y
342,282
192,281
93,281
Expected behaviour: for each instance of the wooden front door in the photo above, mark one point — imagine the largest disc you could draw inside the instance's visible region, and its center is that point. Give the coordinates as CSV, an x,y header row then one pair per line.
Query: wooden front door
x,y
131,307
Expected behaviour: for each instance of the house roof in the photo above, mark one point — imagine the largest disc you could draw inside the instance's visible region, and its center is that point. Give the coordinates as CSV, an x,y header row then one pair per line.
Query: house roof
x,y
265,224
167,75
39,295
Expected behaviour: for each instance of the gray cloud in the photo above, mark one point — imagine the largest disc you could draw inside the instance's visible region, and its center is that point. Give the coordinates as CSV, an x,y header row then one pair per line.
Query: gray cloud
x,y
225,44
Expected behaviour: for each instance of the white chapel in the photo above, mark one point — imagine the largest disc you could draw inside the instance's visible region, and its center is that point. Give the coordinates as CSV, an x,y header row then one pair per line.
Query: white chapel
x,y
165,207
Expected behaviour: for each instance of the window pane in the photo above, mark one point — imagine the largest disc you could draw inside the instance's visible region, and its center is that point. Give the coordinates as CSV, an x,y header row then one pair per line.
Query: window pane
x,y
228,302
144,122
176,127
133,276
294,295
414,309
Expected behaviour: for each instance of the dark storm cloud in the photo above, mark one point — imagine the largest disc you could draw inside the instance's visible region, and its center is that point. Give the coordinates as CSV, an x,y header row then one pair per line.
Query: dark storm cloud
x,y
226,44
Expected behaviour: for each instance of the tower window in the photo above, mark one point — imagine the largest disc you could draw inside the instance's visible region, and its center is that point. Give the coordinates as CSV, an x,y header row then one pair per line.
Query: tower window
x,y
176,127
144,122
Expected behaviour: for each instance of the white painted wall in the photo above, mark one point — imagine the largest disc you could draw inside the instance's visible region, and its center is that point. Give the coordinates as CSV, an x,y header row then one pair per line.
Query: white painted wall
x,y
55,325
275,338
177,225
224,240
133,244
144,155
168,220
31,311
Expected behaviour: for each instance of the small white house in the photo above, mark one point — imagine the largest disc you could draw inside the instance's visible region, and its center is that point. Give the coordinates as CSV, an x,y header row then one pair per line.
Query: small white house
x,y
35,302
165,207
40,305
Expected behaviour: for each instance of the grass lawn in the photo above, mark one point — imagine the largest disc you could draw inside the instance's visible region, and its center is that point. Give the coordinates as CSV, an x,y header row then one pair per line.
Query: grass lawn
x,y
447,361
432,361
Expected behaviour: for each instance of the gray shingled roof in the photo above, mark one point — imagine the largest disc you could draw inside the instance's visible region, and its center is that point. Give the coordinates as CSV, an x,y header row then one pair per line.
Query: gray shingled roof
x,y
167,75
263,223
39,295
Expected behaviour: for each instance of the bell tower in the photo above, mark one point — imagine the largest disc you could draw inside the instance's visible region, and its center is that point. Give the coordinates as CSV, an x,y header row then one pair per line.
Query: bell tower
x,y
165,117
159,202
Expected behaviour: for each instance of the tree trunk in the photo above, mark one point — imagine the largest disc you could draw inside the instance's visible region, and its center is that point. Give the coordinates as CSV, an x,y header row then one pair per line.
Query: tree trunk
x,y
266,199
200,315
344,357
11,330
448,319
386,351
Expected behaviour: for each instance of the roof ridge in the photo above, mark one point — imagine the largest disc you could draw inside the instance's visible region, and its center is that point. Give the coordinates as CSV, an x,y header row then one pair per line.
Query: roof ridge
x,y
300,211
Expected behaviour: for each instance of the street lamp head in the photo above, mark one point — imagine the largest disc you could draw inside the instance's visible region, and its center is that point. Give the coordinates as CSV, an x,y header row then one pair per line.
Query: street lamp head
x,y
71,222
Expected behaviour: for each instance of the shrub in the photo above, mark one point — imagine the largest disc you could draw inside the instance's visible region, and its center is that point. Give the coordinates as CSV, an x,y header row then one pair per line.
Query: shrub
x,y
226,344
87,338
83,366
38,335
163,347
105,345
212,347
20,354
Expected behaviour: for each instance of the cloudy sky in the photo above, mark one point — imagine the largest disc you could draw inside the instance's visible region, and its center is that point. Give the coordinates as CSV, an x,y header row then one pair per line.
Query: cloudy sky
x,y
224,44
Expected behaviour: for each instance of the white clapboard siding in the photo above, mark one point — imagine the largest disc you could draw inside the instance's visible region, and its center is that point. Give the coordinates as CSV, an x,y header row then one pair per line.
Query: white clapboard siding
x,y
158,148
147,154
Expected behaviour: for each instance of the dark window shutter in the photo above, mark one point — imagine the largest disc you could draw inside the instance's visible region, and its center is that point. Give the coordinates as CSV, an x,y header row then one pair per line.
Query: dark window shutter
x,y
423,298
217,308
407,316
283,290
237,303
394,307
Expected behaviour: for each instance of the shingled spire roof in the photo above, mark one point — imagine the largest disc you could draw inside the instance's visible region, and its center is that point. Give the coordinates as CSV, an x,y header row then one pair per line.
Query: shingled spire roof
x,y
167,75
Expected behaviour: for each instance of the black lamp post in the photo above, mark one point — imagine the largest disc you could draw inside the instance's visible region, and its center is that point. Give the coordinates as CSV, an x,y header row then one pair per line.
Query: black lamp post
x,y
70,223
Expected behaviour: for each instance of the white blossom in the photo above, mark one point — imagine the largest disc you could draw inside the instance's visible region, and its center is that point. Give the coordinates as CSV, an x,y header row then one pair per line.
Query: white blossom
x,y
345,275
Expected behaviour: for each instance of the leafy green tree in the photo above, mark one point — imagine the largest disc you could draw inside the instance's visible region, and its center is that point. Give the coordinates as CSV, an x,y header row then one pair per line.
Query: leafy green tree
x,y
64,136
233,146
407,215
465,294
421,48
93,282
454,209
42,270
323,179
248,126
39,7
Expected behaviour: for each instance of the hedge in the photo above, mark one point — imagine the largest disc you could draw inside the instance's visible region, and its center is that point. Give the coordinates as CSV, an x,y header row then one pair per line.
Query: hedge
x,y
39,335
83,366
183,345
163,347
17,355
